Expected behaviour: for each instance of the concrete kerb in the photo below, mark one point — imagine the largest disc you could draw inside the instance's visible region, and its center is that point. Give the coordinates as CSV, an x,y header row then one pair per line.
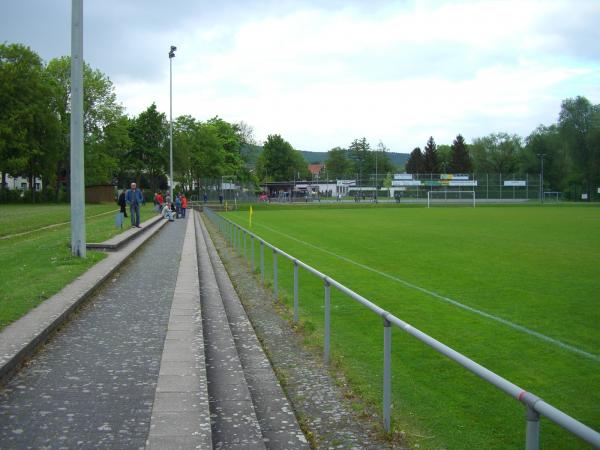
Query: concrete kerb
x,y
21,339
121,239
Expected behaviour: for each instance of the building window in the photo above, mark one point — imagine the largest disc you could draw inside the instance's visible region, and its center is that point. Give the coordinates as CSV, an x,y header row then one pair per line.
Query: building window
x,y
23,186
37,186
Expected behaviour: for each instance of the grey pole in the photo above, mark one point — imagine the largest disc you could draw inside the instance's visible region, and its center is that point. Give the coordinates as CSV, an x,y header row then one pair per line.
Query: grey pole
x,y
327,343
295,291
252,251
262,262
387,373
532,434
275,287
77,169
541,156
171,56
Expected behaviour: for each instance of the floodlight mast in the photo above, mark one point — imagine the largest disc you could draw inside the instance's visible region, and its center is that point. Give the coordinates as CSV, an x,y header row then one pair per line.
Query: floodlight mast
x,y
542,156
171,56
77,183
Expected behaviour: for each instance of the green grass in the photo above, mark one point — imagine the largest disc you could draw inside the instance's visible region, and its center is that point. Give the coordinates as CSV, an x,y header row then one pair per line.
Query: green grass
x,y
37,265
21,218
535,267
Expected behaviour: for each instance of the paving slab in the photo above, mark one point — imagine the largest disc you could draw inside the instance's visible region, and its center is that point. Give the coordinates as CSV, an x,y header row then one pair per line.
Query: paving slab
x,y
19,340
121,239
234,422
93,384
181,414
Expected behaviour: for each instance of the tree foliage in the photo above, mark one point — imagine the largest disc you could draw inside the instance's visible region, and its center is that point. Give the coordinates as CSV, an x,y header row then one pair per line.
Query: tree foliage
x,y
497,153
430,157
280,162
29,131
415,161
460,159
338,164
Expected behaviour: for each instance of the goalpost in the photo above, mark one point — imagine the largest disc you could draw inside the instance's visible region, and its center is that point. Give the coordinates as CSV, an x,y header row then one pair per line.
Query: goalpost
x,y
450,198
552,195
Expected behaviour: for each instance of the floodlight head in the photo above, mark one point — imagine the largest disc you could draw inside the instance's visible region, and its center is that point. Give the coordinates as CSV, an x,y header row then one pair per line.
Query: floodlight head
x,y
172,52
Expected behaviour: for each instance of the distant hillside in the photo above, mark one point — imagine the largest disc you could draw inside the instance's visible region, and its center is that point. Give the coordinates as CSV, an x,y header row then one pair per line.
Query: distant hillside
x,y
251,152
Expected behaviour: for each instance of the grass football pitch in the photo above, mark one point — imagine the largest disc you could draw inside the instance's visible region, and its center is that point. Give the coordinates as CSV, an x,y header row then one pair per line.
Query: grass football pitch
x,y
516,288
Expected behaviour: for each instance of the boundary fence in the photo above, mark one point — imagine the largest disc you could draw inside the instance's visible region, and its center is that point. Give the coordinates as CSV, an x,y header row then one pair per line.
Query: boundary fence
x,y
535,407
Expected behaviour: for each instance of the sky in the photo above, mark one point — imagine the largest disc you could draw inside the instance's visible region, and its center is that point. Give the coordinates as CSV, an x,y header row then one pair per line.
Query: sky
x,y
323,73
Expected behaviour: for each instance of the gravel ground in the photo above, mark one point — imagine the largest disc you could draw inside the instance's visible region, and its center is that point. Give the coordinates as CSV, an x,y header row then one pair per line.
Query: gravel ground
x,y
319,402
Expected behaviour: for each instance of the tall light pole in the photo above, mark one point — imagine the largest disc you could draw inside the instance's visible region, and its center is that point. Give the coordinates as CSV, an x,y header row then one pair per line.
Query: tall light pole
x,y
376,151
77,169
171,56
542,156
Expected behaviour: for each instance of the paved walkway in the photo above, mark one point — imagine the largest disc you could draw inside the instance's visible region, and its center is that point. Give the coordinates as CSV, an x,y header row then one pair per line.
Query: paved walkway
x,y
163,357
93,385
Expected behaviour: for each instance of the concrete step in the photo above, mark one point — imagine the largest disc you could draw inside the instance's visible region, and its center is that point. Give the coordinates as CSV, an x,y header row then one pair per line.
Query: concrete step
x,y
276,417
180,413
234,422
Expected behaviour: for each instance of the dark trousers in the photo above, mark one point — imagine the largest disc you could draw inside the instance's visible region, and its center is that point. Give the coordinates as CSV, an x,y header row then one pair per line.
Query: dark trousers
x,y
135,215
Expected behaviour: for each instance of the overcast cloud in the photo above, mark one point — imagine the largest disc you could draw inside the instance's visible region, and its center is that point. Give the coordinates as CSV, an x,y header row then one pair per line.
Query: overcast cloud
x,y
323,75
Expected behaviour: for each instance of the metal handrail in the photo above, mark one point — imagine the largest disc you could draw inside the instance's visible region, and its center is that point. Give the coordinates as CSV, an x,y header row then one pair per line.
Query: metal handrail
x,y
535,406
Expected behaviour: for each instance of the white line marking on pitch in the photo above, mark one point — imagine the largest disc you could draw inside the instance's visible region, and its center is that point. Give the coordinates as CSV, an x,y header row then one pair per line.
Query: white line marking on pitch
x,y
515,326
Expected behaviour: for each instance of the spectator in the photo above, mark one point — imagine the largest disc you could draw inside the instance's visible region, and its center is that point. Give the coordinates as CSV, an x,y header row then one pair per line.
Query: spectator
x,y
159,201
122,203
178,206
183,204
134,199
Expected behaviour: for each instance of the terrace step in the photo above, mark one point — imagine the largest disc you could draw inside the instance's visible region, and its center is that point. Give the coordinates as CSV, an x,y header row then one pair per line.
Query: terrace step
x,y
275,415
118,241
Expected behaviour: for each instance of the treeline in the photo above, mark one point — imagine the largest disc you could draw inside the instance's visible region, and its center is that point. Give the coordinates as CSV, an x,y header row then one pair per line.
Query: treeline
x,y
569,148
359,161
35,142
35,133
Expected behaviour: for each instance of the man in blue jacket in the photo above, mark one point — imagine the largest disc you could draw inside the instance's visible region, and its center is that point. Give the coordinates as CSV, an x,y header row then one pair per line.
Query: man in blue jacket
x,y
134,199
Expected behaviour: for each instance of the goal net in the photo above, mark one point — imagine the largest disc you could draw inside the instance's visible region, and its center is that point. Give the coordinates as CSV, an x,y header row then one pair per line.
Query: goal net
x,y
458,198
552,196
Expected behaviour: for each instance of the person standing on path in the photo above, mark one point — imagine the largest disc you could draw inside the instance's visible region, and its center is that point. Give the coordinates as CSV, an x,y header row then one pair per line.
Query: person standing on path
x,y
183,205
134,200
178,206
159,201
122,203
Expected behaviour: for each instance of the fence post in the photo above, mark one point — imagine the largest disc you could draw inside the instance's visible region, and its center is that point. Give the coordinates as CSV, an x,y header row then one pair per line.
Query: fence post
x,y
252,251
295,291
262,262
387,373
275,273
327,343
532,439
245,245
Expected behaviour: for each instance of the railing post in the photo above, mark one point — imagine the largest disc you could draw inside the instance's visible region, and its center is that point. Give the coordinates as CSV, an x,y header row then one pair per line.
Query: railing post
x,y
275,273
245,245
295,291
532,438
387,373
252,251
262,262
327,343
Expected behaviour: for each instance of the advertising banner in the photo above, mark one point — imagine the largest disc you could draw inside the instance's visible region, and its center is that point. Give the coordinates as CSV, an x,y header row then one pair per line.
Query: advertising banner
x,y
515,183
462,183
406,183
